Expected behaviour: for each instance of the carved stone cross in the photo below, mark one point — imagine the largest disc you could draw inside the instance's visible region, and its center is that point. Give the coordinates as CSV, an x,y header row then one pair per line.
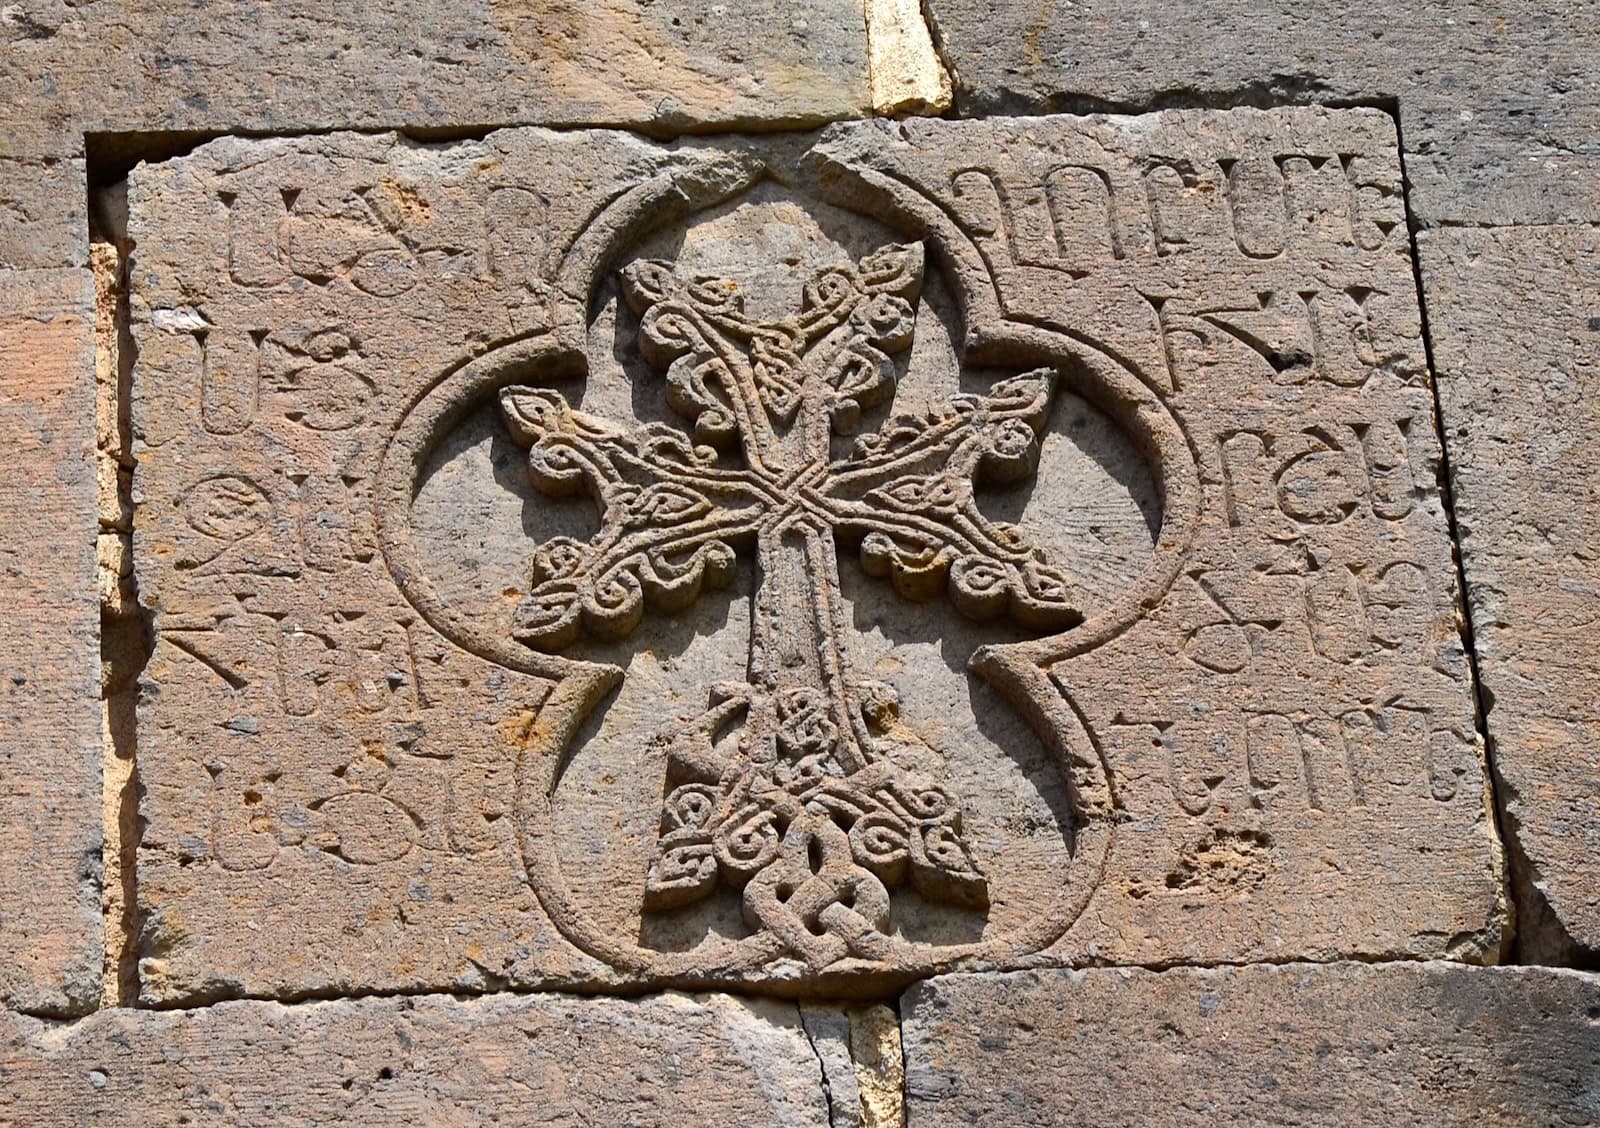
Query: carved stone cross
x,y
818,808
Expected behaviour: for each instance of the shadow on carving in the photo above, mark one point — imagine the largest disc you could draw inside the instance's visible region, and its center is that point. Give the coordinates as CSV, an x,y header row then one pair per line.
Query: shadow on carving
x,y
797,763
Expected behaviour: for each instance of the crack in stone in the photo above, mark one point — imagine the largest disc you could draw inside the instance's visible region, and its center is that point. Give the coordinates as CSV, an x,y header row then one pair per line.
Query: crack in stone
x,y
801,1011
1499,829
590,991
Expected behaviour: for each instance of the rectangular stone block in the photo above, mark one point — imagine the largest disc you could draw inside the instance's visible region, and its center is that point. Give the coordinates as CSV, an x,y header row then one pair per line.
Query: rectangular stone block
x,y
1399,1044
1515,317
310,748
146,69
670,1059
50,808
43,218
1287,725
1499,102
490,504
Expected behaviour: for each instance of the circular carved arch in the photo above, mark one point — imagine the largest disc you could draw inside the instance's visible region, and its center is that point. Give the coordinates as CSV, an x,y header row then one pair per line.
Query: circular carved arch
x,y
1018,670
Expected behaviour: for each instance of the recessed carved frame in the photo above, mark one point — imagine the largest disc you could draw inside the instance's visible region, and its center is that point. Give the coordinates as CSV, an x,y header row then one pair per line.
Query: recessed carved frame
x,y
1019,671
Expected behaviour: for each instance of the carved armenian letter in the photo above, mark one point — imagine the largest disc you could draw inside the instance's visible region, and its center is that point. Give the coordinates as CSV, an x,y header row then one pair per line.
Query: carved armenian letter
x,y
816,812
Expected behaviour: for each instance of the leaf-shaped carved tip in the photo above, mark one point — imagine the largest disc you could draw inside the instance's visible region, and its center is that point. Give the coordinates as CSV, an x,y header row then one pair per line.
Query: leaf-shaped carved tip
x,y
559,440
715,294
894,269
651,282
1024,396
943,870
646,282
1033,594
534,413
549,618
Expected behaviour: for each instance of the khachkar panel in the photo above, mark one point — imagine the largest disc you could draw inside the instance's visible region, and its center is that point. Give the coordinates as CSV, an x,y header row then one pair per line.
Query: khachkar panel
x,y
805,562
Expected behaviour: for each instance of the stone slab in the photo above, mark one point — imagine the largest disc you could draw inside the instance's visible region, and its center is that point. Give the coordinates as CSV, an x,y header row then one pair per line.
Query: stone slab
x,y
1515,320
1499,102
1394,1044
1288,724
141,68
50,805
142,79
310,748
511,1060
1257,744
43,214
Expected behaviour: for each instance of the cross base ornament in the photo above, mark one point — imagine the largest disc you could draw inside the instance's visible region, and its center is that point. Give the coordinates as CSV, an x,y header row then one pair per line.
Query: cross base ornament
x,y
799,788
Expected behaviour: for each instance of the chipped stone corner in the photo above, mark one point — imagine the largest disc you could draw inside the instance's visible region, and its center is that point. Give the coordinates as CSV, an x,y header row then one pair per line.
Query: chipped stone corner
x,y
879,1066
863,1070
906,75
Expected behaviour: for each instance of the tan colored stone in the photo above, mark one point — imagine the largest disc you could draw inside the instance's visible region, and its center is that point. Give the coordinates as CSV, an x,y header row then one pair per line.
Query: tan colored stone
x,y
1241,729
1393,1044
543,1059
858,1048
49,676
1515,318
1282,702
150,78
310,749
43,221
880,1066
1499,100
132,68
114,558
112,361
906,73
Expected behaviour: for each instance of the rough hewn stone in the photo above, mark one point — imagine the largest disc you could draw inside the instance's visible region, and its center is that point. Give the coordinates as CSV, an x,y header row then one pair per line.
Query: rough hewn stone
x,y
1515,317
139,79
1162,374
1499,102
310,749
147,78
1287,723
1393,1044
905,71
119,67
49,674
43,220
666,1060
1229,712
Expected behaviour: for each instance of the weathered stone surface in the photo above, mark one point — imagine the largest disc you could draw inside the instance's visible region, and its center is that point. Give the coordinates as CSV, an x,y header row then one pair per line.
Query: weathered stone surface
x,y
1394,1044
310,748
1499,102
119,67
49,675
43,223
859,1051
669,1059
1288,726
1515,316
1221,698
142,78
906,73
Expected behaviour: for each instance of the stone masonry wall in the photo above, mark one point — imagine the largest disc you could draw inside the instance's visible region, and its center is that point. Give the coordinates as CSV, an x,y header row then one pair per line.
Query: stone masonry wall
x,y
846,563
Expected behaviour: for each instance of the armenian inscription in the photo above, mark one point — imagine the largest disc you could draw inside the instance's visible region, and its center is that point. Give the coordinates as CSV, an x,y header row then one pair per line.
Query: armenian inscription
x,y
805,563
